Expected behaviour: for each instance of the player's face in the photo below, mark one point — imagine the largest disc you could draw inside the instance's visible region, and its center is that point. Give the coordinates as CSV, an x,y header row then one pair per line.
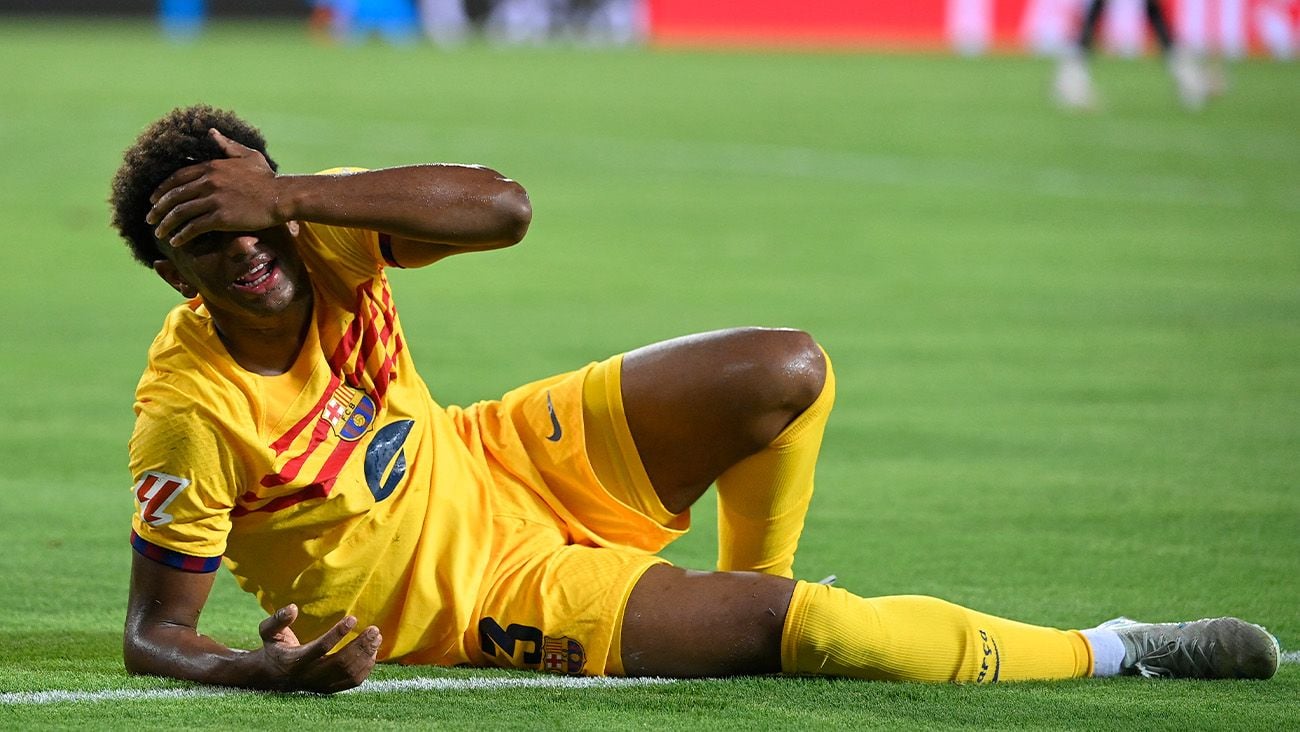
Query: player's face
x,y
249,276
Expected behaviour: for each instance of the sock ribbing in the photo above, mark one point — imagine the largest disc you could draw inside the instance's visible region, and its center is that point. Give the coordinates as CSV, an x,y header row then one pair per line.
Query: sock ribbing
x,y
763,499
831,632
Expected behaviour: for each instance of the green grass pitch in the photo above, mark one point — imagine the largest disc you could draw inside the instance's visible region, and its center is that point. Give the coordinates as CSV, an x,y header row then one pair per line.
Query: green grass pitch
x,y
1068,347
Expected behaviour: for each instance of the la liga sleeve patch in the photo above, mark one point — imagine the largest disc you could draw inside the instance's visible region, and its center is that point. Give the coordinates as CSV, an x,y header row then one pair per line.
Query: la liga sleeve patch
x,y
154,492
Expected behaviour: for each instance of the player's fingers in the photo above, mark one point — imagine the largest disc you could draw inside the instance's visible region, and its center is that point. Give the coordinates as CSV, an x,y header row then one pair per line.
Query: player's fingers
x,y
270,629
228,146
330,638
197,227
177,213
341,679
179,178
354,662
192,218
187,191
364,646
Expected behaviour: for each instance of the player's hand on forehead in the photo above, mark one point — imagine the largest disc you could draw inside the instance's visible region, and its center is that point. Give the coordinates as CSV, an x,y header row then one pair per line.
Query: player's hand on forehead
x,y
234,193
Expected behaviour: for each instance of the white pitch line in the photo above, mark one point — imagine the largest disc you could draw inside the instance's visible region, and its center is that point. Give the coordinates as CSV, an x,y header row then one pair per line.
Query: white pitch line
x,y
482,683
505,682
370,687
60,696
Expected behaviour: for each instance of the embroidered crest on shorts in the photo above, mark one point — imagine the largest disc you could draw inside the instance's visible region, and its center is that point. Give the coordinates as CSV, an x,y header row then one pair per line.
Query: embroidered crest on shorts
x,y
563,655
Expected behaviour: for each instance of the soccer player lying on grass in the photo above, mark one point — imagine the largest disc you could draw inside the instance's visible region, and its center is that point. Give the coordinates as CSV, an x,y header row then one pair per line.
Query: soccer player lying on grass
x,y
282,426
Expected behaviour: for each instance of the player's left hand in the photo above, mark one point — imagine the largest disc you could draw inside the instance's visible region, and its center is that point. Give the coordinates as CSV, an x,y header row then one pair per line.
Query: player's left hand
x,y
234,193
290,665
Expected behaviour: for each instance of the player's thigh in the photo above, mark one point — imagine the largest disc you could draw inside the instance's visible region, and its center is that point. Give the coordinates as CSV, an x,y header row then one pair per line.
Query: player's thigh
x,y
684,623
697,405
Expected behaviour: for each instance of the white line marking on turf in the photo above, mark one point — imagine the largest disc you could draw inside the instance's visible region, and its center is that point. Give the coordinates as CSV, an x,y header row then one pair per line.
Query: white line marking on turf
x,y
376,687
58,696
483,683
505,682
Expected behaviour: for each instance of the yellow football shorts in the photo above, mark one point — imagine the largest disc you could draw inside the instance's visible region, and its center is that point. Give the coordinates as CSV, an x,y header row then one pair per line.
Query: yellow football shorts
x,y
567,546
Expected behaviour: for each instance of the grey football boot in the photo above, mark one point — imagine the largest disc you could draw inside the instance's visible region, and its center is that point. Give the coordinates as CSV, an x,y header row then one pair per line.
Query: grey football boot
x,y
1213,648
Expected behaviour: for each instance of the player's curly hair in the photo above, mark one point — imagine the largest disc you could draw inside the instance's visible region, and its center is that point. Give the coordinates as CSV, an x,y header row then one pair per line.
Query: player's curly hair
x,y
173,142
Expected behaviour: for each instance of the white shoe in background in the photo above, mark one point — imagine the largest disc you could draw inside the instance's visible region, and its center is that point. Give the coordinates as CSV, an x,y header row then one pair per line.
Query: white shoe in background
x,y
1189,78
1072,87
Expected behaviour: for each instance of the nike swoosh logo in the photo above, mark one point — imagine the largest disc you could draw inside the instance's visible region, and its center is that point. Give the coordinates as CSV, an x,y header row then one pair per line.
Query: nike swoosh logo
x,y
555,421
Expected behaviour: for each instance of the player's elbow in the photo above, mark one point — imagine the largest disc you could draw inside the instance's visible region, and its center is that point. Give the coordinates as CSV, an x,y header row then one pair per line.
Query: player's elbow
x,y
134,656
142,655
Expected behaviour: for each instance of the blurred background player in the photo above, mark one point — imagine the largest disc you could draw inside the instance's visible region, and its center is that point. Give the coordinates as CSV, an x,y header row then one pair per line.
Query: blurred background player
x,y
1073,85
182,20
351,21
527,22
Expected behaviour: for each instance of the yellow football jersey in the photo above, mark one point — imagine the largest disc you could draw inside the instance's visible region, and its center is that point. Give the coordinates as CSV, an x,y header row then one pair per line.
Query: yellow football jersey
x,y
339,485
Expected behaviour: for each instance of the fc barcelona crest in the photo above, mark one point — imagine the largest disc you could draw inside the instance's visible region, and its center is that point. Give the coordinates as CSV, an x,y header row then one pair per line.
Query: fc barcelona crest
x,y
563,655
349,413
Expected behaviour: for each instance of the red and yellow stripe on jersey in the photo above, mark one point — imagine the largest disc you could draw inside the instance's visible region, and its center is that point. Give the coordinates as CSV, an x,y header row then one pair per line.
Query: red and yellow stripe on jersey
x,y
318,486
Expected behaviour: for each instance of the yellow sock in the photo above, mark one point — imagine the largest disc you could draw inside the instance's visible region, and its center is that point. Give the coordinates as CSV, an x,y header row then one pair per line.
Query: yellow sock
x,y
831,632
763,499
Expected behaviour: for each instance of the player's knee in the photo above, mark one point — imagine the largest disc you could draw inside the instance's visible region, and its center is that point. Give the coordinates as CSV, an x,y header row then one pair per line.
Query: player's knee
x,y
796,368
784,371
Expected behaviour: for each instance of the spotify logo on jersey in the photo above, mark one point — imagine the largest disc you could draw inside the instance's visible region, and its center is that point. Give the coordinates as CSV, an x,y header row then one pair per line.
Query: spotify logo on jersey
x,y
386,460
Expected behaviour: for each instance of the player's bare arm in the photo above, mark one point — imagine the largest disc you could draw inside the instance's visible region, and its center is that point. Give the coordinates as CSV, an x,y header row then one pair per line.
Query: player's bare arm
x,y
162,639
431,211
